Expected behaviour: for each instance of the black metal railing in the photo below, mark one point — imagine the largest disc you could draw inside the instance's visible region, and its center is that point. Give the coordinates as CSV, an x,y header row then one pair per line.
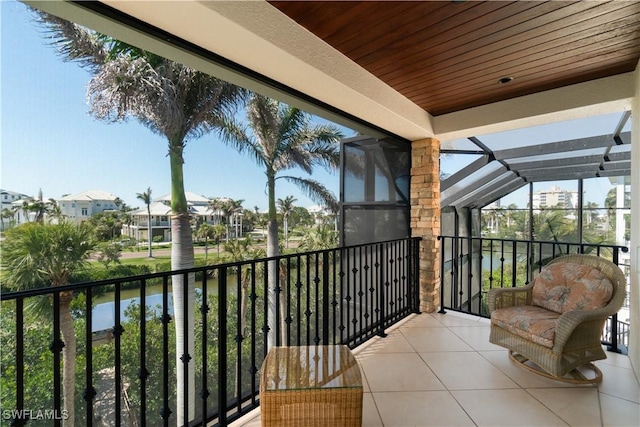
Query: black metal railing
x,y
126,353
470,266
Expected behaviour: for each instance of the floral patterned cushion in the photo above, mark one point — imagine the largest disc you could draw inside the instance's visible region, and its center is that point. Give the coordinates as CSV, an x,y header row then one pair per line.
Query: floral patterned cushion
x,y
561,287
528,321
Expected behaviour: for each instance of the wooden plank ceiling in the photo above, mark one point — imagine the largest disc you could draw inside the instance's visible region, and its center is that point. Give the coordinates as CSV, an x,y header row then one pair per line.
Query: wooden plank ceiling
x,y
447,56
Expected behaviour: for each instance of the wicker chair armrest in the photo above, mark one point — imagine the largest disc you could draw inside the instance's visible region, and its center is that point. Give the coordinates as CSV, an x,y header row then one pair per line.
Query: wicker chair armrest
x,y
509,297
569,321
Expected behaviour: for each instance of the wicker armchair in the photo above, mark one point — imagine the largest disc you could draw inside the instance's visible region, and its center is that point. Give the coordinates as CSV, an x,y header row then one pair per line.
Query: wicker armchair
x,y
557,320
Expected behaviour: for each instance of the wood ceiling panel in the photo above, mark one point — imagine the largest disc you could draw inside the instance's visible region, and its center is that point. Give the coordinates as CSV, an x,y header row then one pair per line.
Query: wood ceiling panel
x,y
558,58
459,41
421,25
379,23
614,50
447,56
464,99
591,39
501,42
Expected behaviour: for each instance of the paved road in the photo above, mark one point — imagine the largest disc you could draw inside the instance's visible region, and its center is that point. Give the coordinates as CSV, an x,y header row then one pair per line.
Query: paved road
x,y
142,253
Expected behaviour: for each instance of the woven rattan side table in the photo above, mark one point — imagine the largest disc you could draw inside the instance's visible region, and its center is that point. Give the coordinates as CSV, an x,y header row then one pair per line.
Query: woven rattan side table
x,y
311,386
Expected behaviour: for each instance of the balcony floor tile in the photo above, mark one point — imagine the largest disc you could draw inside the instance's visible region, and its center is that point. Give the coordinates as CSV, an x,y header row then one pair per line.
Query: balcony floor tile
x,y
440,370
415,408
397,372
514,407
576,406
466,371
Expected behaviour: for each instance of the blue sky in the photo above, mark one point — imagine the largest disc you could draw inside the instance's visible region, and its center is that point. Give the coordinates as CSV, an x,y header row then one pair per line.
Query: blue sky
x,y
50,142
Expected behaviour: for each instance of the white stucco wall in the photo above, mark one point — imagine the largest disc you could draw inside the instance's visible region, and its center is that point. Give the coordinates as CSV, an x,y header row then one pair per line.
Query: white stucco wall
x,y
634,341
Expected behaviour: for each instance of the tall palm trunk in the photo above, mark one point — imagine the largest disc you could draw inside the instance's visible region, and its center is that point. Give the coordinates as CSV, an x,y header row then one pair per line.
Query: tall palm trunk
x,y
272,251
68,357
150,231
286,230
183,293
246,279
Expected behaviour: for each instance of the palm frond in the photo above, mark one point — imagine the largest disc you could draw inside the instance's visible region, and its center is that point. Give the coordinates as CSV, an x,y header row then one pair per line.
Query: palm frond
x,y
37,254
307,147
315,191
235,135
263,117
291,120
74,42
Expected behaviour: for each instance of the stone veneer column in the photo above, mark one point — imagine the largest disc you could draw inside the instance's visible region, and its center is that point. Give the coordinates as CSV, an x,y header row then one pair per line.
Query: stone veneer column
x,y
425,217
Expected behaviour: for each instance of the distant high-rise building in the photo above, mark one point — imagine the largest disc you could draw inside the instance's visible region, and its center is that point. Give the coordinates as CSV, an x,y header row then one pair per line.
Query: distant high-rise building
x,y
555,196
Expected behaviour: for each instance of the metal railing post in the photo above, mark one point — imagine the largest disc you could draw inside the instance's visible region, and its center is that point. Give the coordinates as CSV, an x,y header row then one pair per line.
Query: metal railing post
x,y
222,347
325,298
381,290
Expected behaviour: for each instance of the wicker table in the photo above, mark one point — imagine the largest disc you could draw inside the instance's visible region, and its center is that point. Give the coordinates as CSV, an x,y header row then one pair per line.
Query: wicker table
x,y
311,386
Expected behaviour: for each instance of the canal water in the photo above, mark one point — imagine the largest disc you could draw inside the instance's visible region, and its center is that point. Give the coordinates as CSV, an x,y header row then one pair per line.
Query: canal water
x,y
104,306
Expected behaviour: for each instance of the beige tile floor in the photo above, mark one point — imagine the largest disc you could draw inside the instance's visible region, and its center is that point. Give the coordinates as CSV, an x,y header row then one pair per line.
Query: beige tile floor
x,y
441,370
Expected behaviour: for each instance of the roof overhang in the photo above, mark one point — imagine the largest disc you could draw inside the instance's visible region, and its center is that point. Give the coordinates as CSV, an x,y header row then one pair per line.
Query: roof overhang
x,y
256,37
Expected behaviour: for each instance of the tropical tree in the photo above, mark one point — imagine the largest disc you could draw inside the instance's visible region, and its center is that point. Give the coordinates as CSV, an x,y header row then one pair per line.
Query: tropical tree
x,y
280,138
107,225
590,213
172,100
300,217
206,232
241,250
249,219
55,212
109,252
319,238
215,206
230,209
8,214
36,207
219,231
553,225
36,253
286,207
260,220
146,199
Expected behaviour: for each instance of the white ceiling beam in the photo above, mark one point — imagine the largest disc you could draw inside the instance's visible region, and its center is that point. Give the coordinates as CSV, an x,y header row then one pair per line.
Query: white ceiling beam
x,y
596,97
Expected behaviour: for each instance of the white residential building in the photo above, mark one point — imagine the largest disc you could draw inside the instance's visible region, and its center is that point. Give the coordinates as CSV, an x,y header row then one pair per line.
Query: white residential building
x,y
321,214
199,208
160,222
12,201
80,207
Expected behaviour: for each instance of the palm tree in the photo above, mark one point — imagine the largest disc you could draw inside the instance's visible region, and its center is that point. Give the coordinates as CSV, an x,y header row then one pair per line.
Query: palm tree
x,y
281,138
286,207
55,212
38,207
146,199
260,220
219,231
106,225
237,251
206,232
231,208
36,253
319,238
7,214
214,206
174,101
